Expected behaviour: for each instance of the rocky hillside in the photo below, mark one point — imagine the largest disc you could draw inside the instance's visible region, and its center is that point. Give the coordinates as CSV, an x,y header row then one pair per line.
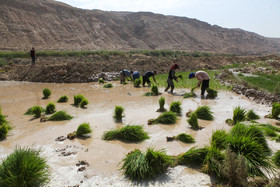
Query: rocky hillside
x,y
50,25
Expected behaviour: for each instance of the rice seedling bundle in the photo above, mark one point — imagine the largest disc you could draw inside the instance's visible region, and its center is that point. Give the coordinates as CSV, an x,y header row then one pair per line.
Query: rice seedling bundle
x,y
276,158
137,83
83,129
101,81
275,110
78,99
60,116
176,107
4,130
128,133
46,92
186,138
29,111
84,102
63,99
239,114
2,118
219,139
193,157
211,93
167,118
50,109
251,115
161,102
180,76
204,112
154,90
37,110
188,95
193,121
109,85
212,161
118,113
277,129
24,167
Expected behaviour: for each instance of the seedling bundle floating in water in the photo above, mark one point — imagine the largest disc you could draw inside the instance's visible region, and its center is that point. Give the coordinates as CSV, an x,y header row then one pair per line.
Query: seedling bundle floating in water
x,y
161,105
212,94
176,107
4,126
240,114
164,118
183,137
154,91
46,92
118,113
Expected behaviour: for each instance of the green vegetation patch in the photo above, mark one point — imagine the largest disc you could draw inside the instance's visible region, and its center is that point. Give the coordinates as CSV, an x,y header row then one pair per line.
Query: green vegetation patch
x,y
161,102
165,118
63,99
204,112
176,107
193,157
118,113
46,92
239,115
251,115
192,120
78,99
212,94
50,109
108,85
137,83
83,129
60,116
219,139
185,138
276,158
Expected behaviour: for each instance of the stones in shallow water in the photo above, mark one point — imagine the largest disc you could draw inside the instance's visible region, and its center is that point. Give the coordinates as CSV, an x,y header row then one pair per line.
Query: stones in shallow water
x,y
60,138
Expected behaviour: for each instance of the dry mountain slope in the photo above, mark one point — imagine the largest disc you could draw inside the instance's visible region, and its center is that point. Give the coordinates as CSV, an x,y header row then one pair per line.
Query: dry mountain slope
x,y
50,25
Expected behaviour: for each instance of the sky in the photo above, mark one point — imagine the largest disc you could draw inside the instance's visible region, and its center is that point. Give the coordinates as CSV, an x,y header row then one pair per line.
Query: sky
x,y
258,16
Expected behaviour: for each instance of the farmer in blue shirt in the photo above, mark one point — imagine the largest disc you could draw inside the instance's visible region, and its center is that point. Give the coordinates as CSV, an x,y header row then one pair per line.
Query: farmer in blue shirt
x,y
135,75
125,74
146,77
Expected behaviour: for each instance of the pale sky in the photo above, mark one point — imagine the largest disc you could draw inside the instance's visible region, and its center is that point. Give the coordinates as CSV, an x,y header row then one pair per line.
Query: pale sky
x,y
258,16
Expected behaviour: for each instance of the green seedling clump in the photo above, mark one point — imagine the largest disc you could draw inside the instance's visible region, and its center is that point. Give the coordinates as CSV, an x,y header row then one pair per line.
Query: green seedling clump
x,y
193,157
275,110
63,99
24,167
83,129
84,102
50,109
109,85
101,81
251,115
137,83
188,95
239,115
276,159
46,92
176,107
4,130
165,118
78,99
154,90
37,110
212,94
193,121
186,138
118,113
60,116
139,166
161,102
204,112
29,111
128,133
219,139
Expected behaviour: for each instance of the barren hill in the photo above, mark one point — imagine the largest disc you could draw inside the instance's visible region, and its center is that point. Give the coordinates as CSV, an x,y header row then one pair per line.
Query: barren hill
x,y
50,25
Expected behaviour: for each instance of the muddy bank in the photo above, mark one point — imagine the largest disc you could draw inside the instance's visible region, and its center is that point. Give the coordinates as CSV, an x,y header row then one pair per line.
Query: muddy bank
x,y
103,157
88,68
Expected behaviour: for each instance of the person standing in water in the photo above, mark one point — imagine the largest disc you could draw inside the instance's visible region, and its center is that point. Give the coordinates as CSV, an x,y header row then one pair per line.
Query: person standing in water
x,y
170,78
33,56
125,74
203,78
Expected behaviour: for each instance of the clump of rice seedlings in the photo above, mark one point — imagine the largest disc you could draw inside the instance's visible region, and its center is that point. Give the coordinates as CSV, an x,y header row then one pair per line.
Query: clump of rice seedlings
x,y
83,103
251,115
180,76
4,130
219,139
269,132
165,118
109,85
211,93
63,99
78,99
29,111
24,167
118,113
46,92
154,90
186,138
2,118
193,157
83,129
139,166
193,121
277,129
192,90
188,95
204,112
101,81
176,107
37,111
50,109
239,114
276,158
161,102
275,110
60,116
137,83
128,133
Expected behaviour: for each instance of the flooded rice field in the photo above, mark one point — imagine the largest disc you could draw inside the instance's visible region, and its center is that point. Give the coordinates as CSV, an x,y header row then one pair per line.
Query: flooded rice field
x,y
104,156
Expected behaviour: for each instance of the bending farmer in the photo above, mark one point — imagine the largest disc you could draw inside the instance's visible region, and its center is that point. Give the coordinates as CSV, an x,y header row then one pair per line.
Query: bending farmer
x,y
203,78
135,75
146,77
170,78
33,56
125,74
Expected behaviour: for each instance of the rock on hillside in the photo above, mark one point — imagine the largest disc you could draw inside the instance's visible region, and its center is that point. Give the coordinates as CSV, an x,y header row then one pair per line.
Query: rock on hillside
x,y
51,25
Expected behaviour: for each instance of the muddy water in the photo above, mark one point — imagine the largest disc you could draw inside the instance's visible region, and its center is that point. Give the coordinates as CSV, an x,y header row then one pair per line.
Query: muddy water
x,y
104,156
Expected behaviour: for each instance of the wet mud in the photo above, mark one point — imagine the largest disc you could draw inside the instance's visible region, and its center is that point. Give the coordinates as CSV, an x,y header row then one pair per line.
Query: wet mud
x,y
103,157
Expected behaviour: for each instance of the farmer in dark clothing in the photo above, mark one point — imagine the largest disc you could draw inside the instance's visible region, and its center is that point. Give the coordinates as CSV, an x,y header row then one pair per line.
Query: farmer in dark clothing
x,y
170,78
203,78
125,74
33,56
146,77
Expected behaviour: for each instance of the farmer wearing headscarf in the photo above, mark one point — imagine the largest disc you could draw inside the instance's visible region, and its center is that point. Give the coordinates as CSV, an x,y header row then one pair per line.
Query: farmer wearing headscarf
x,y
203,78
170,78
